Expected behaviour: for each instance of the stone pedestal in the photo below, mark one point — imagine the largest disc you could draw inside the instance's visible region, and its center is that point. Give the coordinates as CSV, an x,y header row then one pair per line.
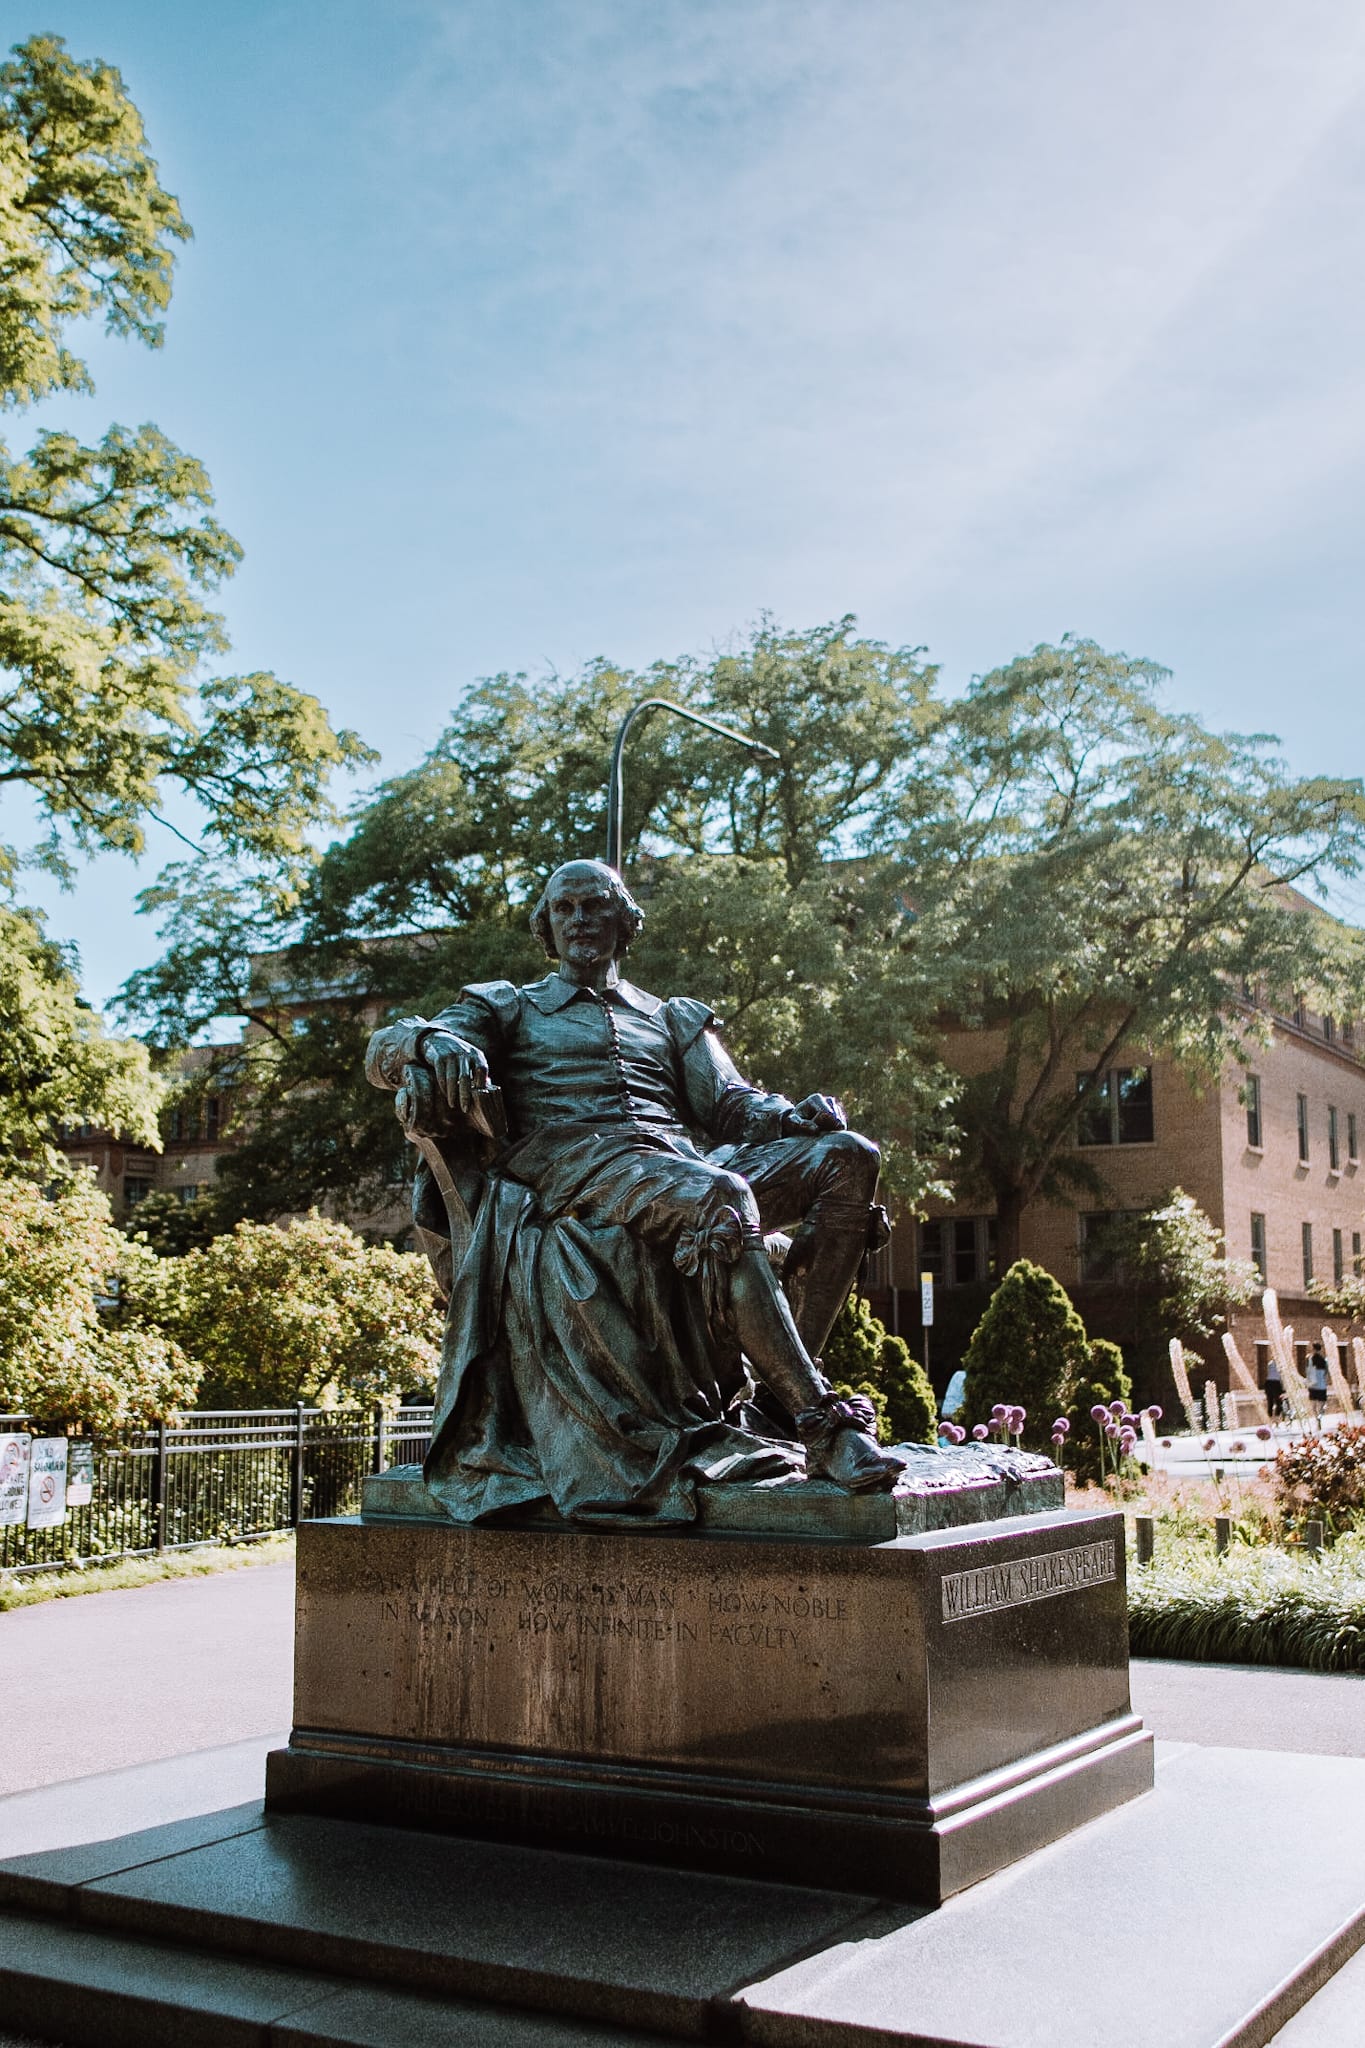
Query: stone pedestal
x,y
900,1717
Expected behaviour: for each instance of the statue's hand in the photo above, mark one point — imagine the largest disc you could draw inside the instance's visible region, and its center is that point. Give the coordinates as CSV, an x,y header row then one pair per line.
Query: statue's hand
x,y
461,1070
816,1113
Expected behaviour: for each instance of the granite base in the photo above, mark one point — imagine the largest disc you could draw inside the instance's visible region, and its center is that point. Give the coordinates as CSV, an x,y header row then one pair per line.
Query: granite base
x,y
904,1716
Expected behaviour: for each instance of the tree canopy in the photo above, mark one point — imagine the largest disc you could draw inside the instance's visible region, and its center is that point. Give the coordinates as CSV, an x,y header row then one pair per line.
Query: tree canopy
x,y
1097,878
766,895
1053,863
109,553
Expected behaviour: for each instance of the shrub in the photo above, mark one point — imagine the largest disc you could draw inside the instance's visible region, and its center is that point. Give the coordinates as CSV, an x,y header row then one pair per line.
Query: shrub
x,y
304,1313
862,1357
60,1254
1030,1351
1255,1606
1323,1478
1103,1381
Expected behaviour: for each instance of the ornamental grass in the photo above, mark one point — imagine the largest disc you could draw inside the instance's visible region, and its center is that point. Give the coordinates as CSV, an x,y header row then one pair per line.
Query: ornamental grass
x,y
1255,1605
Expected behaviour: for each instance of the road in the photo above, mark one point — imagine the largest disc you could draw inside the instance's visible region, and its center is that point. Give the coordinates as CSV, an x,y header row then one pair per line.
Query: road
x,y
105,1680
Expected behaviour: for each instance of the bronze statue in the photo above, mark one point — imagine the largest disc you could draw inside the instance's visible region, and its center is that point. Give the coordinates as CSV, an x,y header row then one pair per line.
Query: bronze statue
x,y
597,1182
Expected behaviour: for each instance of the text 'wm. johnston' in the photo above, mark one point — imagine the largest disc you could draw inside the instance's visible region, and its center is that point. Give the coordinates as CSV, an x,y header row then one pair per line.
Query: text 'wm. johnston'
x,y
1029,1578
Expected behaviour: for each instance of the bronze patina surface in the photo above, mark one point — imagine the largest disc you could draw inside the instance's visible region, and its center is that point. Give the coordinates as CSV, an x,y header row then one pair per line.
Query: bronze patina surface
x,y
600,1191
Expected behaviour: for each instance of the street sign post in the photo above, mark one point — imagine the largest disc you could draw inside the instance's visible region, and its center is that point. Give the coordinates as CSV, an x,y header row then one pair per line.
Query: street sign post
x,y
926,1311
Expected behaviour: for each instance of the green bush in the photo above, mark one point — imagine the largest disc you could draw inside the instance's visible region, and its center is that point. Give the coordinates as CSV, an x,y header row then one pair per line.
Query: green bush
x,y
1253,1606
1104,1381
1323,1478
1030,1351
862,1357
310,1313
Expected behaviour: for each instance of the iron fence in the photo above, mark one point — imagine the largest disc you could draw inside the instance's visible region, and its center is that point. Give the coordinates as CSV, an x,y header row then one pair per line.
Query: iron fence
x,y
214,1476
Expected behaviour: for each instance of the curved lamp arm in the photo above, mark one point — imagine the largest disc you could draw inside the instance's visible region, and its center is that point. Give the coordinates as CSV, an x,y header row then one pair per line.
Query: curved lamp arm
x,y
616,786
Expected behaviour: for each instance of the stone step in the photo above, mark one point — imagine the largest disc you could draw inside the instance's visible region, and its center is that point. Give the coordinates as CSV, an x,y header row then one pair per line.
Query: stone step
x,y
87,1988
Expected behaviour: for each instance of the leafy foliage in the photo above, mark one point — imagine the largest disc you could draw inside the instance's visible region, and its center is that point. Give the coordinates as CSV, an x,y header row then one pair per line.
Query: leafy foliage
x,y
1030,1350
56,1064
757,900
1324,1477
308,1313
1177,1255
1092,878
1254,1606
862,1357
59,1360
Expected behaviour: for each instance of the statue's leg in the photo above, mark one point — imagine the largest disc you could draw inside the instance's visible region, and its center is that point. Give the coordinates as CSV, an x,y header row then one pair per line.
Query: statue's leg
x,y
825,1187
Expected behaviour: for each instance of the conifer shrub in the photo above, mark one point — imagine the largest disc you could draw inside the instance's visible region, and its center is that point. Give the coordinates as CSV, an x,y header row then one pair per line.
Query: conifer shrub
x,y
862,1357
1030,1350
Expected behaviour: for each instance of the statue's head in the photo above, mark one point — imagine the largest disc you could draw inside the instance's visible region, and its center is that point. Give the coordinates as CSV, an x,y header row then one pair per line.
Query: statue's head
x,y
584,907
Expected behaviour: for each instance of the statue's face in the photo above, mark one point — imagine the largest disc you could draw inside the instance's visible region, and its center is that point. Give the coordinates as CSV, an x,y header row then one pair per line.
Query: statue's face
x,y
584,921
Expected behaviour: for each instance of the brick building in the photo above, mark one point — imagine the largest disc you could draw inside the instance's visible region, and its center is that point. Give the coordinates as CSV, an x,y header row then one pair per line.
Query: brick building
x,y
1273,1156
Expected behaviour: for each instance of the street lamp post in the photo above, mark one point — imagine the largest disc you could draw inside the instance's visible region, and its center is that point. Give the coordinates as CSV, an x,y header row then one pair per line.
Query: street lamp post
x,y
616,786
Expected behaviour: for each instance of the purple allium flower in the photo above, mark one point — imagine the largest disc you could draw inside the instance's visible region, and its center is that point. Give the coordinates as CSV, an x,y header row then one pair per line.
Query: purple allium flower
x,y
1126,1441
1117,1408
1063,1425
998,1410
1210,1443
980,1432
1111,1430
1154,1412
1264,1434
1017,1418
1238,1447
1099,1414
1165,1443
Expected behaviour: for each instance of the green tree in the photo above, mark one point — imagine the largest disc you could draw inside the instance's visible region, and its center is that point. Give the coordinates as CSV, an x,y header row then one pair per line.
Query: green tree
x,y
60,1360
56,1064
1095,878
309,1313
108,553
768,898
1176,1256
862,1357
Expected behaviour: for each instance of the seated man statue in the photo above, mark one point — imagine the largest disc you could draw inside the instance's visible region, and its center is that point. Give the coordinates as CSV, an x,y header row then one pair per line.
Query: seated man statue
x,y
613,1294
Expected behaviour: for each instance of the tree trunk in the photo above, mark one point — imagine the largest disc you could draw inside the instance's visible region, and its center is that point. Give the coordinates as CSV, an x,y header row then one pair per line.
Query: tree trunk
x,y
1009,1217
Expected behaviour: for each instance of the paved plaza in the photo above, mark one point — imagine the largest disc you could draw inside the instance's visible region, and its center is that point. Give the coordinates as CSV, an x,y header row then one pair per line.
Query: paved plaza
x,y
161,1702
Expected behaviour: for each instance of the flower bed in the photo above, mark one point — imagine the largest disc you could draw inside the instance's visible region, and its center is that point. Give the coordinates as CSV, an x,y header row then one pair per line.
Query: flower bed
x,y
1255,1605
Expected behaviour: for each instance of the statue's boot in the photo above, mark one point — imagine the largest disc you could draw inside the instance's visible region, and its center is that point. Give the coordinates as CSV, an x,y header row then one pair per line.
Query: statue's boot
x,y
839,1434
822,1264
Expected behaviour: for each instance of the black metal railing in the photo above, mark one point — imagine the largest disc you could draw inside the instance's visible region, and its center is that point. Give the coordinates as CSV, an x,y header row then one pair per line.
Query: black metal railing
x,y
214,1476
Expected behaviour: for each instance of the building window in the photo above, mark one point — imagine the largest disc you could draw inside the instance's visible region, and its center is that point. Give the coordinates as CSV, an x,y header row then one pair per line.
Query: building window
x,y
1355,1251
190,1192
1300,1014
1338,1259
213,1118
136,1188
1120,1113
1348,1032
958,1250
1258,1242
1303,1128
1333,1140
1352,1146
1307,1254
1252,1092
1262,1362
1329,1029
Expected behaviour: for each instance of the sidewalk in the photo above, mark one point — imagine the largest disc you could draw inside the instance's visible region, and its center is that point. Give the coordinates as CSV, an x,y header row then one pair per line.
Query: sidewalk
x,y
105,1680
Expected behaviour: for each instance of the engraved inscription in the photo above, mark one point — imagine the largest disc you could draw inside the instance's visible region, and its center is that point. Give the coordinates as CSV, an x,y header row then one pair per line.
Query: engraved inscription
x,y
743,1616
992,1586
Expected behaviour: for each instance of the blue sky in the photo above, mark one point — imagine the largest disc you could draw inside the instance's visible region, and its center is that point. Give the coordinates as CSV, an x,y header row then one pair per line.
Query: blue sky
x,y
519,331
